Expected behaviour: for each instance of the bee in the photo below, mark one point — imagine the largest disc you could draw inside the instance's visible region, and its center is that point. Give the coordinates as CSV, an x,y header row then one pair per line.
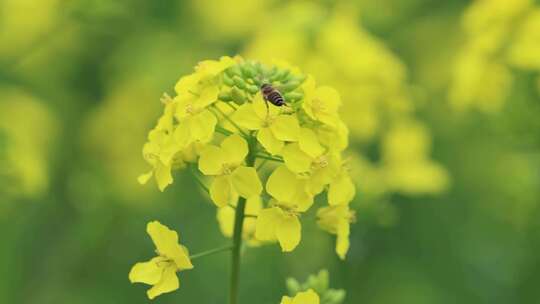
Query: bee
x,y
272,95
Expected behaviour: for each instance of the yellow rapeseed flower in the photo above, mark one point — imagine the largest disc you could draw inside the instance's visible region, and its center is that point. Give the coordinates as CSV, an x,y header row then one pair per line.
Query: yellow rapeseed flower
x,y
304,297
231,178
336,220
280,221
321,103
160,271
274,128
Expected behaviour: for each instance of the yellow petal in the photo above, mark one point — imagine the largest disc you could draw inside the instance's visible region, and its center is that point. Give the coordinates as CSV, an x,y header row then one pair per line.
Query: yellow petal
x,y
246,181
261,109
342,242
341,190
147,272
309,143
184,105
166,242
143,178
286,128
225,218
187,83
222,192
269,142
254,205
234,148
306,297
182,135
288,232
329,97
169,282
246,117
163,175
267,221
286,300
295,159
282,184
207,96
212,160
202,125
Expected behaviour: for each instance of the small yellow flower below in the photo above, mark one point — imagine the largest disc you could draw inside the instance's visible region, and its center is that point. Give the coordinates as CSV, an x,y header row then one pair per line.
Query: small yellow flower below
x,y
160,271
305,297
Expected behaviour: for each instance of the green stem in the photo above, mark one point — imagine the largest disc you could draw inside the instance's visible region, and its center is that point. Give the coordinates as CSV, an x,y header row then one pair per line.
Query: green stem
x,y
230,121
269,158
199,181
237,235
210,252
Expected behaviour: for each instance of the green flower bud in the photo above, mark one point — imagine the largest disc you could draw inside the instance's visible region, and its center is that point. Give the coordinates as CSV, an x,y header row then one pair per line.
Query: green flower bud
x,y
227,80
293,286
225,96
238,96
293,96
233,71
334,296
248,71
253,89
288,87
239,82
280,75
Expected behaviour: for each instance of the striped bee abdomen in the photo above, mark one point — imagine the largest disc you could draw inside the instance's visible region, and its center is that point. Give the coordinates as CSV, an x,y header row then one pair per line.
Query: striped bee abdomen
x,y
272,95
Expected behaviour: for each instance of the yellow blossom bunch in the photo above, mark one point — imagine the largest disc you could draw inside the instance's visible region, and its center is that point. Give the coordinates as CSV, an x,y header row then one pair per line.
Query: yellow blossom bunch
x,y
261,163
221,122
500,36
373,82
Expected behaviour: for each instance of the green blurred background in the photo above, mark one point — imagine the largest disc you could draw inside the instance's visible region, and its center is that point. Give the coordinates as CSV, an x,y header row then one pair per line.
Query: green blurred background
x,y
443,102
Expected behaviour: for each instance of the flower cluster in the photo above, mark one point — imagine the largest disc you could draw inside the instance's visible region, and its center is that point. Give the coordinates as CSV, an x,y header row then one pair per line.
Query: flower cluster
x,y
221,123
501,36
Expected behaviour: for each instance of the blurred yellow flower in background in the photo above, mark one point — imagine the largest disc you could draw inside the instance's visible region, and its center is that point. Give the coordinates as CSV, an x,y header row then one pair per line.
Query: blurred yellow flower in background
x,y
500,36
160,271
30,130
22,22
226,20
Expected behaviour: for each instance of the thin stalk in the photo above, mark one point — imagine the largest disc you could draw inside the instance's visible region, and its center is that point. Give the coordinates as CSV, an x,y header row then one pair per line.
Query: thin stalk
x,y
223,131
269,158
198,180
259,167
237,235
210,252
231,121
